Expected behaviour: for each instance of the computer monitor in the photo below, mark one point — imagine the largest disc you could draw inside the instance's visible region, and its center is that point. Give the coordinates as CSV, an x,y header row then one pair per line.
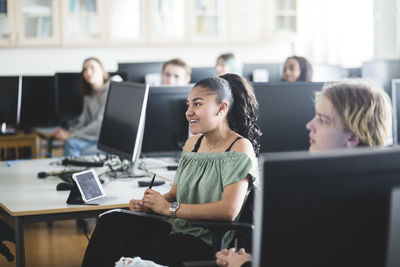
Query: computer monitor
x,y
393,255
38,104
201,73
381,72
274,70
327,209
284,110
69,95
166,128
396,109
136,72
123,122
10,99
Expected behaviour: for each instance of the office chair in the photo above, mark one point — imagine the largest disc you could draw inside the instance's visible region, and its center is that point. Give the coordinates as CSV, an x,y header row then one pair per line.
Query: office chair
x,y
243,237
6,234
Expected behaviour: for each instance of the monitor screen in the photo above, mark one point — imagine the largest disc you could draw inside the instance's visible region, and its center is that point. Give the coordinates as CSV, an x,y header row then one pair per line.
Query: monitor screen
x,y
69,95
396,109
166,128
38,103
10,99
327,209
284,110
274,70
136,72
201,73
123,122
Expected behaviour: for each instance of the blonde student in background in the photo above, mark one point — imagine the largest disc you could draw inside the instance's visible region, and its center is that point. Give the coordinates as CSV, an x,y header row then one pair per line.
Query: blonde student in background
x,y
228,63
175,72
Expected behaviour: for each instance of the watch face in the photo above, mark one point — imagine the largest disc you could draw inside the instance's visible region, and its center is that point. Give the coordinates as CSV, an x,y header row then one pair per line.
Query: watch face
x,y
174,205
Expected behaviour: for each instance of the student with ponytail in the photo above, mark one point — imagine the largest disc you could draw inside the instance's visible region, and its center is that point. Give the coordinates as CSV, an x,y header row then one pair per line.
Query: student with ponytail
x,y
217,169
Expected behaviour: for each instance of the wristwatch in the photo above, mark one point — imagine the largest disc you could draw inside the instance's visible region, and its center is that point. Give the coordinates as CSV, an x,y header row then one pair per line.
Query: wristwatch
x,y
173,207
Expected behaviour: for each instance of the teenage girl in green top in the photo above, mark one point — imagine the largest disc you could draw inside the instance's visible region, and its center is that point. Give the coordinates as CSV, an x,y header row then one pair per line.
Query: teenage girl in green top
x,y
217,169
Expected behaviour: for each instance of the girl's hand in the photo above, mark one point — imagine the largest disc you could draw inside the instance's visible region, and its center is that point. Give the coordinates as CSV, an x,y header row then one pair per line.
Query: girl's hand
x,y
137,205
156,202
61,134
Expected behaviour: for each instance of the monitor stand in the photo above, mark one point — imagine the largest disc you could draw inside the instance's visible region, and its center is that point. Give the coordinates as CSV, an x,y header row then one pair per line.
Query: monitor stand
x,y
134,171
6,131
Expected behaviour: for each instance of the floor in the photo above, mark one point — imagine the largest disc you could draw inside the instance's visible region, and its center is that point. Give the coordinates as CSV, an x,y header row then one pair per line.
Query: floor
x,y
60,243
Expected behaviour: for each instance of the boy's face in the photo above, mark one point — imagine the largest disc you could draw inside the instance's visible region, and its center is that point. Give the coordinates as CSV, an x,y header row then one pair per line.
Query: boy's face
x,y
174,75
326,129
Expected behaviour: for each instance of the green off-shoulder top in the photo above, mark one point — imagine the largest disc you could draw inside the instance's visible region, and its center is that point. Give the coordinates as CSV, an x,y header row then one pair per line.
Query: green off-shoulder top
x,y
201,178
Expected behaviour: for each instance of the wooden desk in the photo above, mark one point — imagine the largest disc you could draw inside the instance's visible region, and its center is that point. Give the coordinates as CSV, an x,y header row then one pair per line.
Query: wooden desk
x,y
29,199
18,146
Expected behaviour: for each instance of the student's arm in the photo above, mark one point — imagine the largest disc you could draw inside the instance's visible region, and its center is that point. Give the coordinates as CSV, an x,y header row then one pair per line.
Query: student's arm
x,y
226,209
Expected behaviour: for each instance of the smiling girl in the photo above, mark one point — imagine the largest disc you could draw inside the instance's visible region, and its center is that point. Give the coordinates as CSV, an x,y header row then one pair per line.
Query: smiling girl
x,y
217,169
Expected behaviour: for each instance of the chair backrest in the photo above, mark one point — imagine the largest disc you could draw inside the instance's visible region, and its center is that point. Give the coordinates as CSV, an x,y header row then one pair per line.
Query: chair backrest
x,y
244,237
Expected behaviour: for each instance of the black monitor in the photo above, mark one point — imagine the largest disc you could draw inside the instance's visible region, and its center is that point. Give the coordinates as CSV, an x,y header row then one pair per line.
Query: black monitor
x,y
396,109
328,209
201,73
393,255
274,70
38,104
69,95
10,87
284,110
123,122
136,72
166,128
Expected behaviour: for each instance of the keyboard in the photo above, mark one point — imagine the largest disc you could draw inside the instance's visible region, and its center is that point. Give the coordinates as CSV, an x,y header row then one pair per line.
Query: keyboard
x,y
82,163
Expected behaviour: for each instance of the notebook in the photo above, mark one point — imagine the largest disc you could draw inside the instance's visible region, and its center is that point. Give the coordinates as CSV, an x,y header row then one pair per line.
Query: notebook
x,y
87,189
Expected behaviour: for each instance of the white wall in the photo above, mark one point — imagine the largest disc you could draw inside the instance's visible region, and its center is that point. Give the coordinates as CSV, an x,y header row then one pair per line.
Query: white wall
x,y
386,45
386,29
47,61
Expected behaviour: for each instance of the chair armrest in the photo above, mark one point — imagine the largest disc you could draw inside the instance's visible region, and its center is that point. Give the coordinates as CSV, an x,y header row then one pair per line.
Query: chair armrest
x,y
219,228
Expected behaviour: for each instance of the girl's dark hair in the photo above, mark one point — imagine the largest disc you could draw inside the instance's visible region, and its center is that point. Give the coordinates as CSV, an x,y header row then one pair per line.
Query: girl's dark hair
x,y
243,105
86,87
305,67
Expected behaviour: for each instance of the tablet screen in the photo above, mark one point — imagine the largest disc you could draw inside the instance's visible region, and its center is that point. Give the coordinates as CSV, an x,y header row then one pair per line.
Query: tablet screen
x,y
89,185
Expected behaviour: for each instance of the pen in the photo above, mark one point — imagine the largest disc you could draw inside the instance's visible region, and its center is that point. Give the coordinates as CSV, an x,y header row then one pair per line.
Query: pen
x,y
152,181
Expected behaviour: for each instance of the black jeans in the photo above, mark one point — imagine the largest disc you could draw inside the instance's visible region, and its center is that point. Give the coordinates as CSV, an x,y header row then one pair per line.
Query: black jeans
x,y
119,234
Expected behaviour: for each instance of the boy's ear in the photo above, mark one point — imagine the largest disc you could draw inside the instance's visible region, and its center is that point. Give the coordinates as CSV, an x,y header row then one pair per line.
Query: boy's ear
x,y
352,141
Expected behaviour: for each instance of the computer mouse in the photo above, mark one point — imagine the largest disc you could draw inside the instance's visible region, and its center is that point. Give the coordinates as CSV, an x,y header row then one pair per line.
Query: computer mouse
x,y
63,186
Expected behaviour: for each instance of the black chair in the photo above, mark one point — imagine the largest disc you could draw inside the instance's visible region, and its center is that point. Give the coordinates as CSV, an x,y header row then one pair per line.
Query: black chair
x,y
243,237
